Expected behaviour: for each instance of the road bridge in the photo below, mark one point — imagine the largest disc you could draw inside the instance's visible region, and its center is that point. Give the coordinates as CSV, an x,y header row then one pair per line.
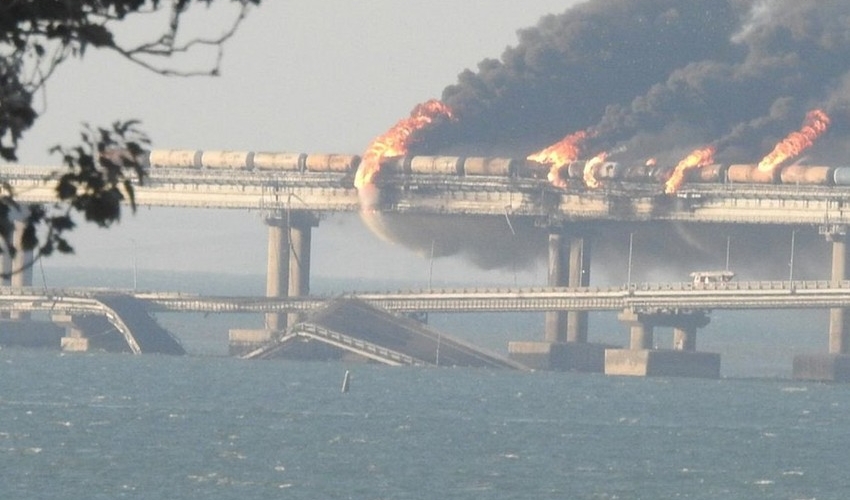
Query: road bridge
x,y
296,201
683,306
639,297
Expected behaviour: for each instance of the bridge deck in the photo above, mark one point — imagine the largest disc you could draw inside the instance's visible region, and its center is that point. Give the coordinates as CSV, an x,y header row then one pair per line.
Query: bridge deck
x,y
354,326
442,195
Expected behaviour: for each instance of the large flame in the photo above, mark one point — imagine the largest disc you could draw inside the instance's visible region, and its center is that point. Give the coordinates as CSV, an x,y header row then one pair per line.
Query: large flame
x,y
559,155
698,158
396,140
815,124
590,168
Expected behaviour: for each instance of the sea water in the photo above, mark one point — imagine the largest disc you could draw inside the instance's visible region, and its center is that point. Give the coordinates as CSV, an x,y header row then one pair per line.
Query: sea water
x,y
90,426
100,425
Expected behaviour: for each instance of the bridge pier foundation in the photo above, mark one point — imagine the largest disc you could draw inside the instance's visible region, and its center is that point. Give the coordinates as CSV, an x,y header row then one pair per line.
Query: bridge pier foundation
x,y
565,346
643,359
88,332
834,366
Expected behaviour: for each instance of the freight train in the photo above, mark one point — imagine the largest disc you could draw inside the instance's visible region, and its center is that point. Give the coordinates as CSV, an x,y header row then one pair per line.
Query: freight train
x,y
412,165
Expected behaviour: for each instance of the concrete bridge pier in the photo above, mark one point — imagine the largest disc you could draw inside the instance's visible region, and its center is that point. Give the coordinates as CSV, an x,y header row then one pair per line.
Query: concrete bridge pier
x,y
74,339
301,226
565,345
834,366
287,275
277,269
21,267
643,359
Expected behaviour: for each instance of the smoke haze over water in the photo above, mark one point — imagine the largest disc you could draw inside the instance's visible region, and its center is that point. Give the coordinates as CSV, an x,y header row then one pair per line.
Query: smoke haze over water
x,y
657,78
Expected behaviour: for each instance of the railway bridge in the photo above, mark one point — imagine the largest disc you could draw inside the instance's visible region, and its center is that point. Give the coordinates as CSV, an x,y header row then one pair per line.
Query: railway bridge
x,y
296,200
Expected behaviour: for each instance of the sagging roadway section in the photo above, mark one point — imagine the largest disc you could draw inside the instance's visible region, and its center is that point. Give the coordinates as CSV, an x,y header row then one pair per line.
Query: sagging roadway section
x,y
88,320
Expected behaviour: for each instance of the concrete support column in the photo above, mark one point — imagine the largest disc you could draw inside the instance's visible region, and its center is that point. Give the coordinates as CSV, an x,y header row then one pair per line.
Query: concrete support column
x,y
640,336
579,276
21,266
559,267
277,270
839,319
640,329
684,338
23,277
300,240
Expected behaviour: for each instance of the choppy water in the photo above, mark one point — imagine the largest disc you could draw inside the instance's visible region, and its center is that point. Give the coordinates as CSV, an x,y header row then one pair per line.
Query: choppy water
x,y
108,426
120,426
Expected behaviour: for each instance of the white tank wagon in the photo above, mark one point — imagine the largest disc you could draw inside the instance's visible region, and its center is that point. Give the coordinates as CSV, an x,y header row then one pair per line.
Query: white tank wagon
x,y
250,160
227,160
284,162
175,158
331,163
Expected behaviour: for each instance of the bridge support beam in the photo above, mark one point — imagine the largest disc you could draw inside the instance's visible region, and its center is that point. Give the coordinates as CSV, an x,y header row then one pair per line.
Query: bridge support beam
x,y
834,366
565,346
643,359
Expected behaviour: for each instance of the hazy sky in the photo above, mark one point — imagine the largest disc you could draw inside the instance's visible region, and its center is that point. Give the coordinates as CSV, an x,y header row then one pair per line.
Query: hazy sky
x,y
299,76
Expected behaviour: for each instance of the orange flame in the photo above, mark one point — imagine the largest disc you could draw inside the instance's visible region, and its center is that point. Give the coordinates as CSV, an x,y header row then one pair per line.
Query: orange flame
x,y
559,155
815,124
590,167
396,140
698,158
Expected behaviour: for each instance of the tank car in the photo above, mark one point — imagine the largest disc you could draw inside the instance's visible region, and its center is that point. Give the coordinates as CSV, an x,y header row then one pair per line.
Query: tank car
x,y
285,162
841,176
227,160
529,169
818,175
609,170
639,173
396,165
436,165
489,166
175,158
331,163
750,174
708,173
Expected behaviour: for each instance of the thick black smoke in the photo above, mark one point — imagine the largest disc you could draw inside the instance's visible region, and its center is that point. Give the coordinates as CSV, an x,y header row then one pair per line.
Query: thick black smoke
x,y
647,73
657,78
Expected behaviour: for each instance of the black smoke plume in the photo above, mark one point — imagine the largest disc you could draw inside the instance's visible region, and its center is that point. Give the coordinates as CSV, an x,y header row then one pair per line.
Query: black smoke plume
x,y
647,72
657,78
